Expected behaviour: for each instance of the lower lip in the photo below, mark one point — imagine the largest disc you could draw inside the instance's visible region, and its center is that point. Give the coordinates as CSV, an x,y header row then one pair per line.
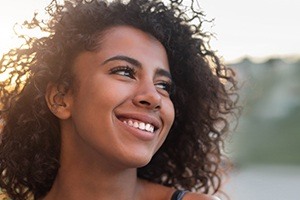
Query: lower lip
x,y
142,135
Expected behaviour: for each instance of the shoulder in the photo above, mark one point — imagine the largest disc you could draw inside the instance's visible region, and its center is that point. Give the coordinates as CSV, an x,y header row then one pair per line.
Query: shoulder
x,y
197,196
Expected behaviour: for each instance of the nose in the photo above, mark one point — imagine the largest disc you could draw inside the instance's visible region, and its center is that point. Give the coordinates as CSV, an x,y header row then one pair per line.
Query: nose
x,y
147,97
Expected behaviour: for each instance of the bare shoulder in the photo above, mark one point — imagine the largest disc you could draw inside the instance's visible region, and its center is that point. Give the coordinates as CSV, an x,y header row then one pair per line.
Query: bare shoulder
x,y
197,196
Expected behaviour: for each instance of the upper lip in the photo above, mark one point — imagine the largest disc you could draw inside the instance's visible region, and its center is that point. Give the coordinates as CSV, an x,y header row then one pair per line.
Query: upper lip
x,y
146,118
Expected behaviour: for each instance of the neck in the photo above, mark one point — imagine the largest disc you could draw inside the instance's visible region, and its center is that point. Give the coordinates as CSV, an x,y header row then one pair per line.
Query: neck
x,y
86,175
81,184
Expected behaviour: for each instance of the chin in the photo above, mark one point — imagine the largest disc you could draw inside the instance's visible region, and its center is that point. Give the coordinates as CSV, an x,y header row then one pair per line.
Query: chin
x,y
142,164
138,161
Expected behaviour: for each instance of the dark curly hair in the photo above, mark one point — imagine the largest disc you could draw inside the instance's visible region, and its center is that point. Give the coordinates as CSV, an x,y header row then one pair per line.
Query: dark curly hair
x,y
204,96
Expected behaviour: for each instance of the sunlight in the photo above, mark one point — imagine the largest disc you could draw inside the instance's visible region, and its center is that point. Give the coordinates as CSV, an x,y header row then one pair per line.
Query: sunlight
x,y
11,19
8,40
10,14
1,128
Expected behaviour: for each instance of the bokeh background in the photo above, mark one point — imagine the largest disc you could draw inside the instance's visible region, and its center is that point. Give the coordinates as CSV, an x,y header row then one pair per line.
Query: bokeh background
x,y
261,41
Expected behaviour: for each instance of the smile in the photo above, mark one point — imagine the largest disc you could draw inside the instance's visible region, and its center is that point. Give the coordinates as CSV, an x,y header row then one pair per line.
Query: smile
x,y
140,125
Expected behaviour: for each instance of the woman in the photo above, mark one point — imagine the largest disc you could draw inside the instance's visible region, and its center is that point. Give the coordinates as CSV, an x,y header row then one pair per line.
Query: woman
x,y
119,101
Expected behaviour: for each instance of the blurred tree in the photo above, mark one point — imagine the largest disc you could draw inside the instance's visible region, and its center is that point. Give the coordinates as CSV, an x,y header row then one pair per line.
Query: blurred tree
x,y
269,129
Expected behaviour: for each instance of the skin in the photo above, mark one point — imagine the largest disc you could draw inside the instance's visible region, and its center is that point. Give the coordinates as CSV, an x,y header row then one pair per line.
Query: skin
x,y
96,143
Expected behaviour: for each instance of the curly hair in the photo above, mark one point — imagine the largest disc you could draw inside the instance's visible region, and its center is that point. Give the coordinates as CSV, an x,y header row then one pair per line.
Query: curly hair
x,y
204,96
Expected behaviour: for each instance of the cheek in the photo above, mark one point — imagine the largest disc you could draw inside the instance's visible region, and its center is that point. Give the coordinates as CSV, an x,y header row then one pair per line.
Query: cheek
x,y
112,95
103,91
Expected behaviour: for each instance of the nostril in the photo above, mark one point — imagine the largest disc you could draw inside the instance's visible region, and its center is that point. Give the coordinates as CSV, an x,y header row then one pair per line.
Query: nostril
x,y
147,100
145,103
148,104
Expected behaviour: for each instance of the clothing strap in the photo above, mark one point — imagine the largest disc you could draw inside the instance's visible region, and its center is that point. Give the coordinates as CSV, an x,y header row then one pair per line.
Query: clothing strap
x,y
178,195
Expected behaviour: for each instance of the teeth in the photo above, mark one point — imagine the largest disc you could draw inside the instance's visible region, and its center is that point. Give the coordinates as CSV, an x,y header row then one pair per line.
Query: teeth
x,y
130,123
140,125
135,125
147,127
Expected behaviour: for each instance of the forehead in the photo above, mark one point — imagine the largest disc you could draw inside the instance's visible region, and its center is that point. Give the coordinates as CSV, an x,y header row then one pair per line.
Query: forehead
x,y
132,42
129,34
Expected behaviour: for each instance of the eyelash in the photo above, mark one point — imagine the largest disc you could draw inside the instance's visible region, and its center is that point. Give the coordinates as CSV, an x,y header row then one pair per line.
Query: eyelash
x,y
167,86
131,72
127,71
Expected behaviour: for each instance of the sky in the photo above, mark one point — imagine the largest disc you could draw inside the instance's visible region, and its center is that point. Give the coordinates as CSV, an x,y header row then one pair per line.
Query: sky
x,y
255,28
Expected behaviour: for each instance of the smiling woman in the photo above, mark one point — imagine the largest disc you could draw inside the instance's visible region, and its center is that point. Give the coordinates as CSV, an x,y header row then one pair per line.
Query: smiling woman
x,y
120,100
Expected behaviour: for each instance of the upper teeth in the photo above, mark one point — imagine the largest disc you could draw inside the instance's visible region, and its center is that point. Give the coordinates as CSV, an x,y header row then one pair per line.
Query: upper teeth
x,y
140,125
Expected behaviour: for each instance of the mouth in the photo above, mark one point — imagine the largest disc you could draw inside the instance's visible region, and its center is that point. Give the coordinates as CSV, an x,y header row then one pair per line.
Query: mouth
x,y
140,125
140,122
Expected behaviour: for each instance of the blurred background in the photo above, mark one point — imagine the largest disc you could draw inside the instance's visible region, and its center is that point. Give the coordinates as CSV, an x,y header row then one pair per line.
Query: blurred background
x,y
261,41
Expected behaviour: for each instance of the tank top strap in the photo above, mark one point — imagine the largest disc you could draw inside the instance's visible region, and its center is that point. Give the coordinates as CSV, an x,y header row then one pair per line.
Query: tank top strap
x,y
178,195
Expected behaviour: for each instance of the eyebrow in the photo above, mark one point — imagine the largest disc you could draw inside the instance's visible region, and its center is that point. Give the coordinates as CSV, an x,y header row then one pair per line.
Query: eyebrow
x,y
124,58
162,72
159,72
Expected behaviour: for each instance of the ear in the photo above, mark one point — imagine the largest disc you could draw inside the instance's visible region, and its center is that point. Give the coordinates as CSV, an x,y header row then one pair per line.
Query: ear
x,y
59,100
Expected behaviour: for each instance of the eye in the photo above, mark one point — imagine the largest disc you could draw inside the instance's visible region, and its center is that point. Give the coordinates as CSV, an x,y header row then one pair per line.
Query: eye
x,y
124,71
165,85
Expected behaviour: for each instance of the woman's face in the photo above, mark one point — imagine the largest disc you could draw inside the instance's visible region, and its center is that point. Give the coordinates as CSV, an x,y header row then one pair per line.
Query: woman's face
x,y
121,111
